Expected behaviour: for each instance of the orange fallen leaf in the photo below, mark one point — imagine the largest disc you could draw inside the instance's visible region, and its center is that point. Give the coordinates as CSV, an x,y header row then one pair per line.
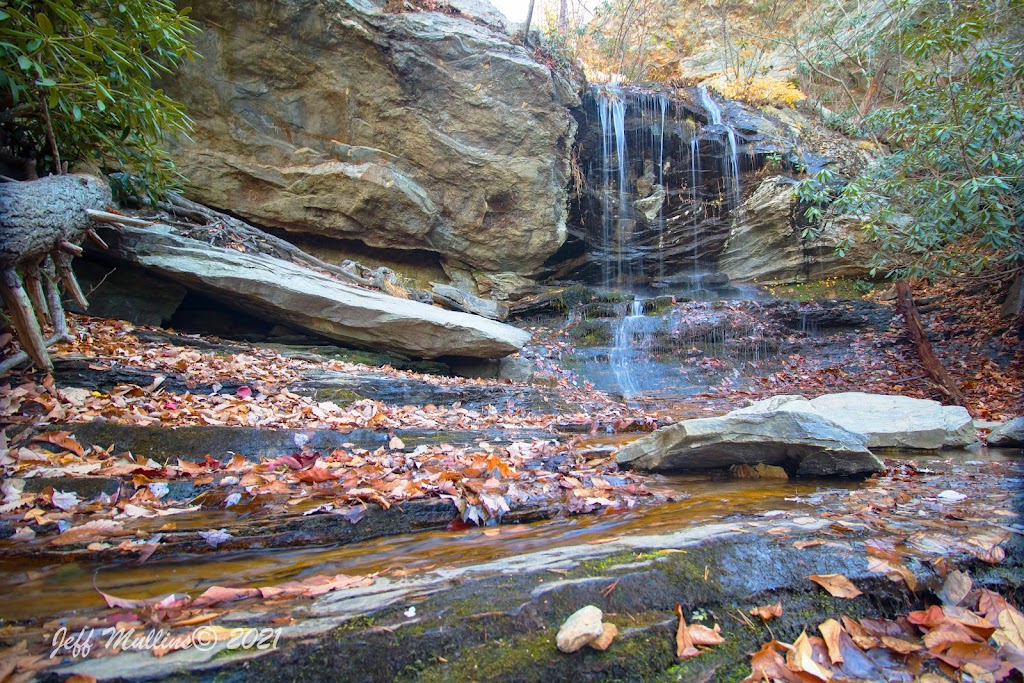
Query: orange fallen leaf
x,y
830,631
702,635
62,439
768,665
684,643
767,612
837,585
802,658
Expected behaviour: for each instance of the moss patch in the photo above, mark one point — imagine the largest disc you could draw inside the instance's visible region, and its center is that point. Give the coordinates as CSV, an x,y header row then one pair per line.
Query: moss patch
x,y
832,288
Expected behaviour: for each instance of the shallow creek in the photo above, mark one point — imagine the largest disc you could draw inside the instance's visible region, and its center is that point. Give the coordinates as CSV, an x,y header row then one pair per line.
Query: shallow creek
x,y
41,590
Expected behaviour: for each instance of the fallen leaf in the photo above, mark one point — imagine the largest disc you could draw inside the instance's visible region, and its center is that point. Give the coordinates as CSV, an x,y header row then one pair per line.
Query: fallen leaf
x,y
830,631
802,659
767,612
768,664
63,439
702,635
215,537
955,588
1011,628
684,643
97,529
837,585
65,500
216,594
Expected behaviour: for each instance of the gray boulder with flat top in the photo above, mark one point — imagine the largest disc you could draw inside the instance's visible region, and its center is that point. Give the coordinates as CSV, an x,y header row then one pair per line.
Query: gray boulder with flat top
x,y
775,432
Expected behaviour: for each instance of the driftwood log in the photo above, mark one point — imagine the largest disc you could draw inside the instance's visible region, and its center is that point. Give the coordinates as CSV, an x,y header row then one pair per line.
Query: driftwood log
x,y
41,224
931,362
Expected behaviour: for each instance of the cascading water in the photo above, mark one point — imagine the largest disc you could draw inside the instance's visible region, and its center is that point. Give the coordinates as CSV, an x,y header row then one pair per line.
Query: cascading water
x,y
623,356
617,228
732,157
662,192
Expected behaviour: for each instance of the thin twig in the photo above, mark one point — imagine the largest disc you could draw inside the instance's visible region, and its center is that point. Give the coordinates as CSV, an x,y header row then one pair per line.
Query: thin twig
x,y
50,135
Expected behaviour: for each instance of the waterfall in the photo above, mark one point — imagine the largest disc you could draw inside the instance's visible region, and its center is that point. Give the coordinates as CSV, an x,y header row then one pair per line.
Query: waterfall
x,y
617,220
695,183
656,212
731,172
630,338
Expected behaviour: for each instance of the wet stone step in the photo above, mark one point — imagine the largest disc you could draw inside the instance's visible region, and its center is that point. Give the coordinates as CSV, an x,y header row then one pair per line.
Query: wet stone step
x,y
193,443
337,387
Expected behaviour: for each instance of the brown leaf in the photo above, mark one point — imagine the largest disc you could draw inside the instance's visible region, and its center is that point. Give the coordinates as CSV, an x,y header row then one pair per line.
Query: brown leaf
x,y
830,631
837,585
894,569
702,635
767,612
768,665
899,645
217,594
949,632
315,475
684,643
62,439
96,530
955,588
929,618
1011,629
802,658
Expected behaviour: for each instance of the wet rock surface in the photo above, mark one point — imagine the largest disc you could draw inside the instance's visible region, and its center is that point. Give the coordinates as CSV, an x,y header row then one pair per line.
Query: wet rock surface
x,y
499,620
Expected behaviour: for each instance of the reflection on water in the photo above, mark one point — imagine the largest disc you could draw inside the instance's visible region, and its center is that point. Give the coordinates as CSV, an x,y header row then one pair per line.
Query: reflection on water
x,y
50,589
42,590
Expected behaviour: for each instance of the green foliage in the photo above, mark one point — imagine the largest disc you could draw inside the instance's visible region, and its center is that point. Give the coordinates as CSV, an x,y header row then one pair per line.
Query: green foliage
x,y
85,69
948,200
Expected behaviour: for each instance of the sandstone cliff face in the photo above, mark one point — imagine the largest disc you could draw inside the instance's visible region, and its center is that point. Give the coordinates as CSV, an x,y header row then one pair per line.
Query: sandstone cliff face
x,y
402,131
765,243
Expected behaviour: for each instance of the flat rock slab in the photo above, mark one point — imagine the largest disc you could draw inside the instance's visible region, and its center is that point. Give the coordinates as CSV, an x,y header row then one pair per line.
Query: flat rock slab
x,y
282,291
898,421
801,441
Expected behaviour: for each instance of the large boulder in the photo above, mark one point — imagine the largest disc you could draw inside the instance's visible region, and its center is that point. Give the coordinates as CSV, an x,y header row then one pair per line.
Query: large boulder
x,y
765,243
899,421
279,290
414,130
1009,434
774,432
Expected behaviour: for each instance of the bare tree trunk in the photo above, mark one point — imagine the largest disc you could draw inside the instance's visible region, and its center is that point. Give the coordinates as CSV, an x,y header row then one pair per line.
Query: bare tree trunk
x,y
932,365
42,219
526,26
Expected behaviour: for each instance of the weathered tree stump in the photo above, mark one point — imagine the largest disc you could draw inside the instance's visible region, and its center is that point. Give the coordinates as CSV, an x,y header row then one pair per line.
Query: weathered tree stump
x,y
43,220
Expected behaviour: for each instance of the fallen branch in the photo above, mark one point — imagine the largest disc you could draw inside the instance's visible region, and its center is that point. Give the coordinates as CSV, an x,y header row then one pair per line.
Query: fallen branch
x,y
382,279
929,360
21,357
116,219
